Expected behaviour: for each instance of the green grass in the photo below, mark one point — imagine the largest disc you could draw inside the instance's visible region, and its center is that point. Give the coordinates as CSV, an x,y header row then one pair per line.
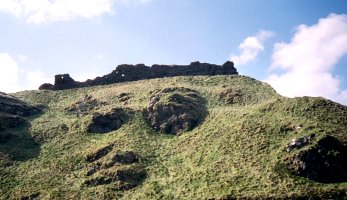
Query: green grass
x,y
237,151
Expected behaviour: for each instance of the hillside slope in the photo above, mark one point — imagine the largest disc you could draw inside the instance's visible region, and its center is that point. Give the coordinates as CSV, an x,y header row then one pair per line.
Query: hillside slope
x,y
219,137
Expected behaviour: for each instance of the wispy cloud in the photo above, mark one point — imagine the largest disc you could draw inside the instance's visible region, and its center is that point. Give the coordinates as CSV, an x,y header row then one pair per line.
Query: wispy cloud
x,y
11,73
308,59
45,11
250,47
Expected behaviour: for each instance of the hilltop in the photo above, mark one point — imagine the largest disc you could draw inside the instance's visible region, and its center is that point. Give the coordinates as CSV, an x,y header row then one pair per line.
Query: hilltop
x,y
185,137
125,73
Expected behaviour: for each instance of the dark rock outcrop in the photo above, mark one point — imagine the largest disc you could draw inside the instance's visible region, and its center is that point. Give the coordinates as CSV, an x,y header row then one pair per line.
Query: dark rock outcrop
x,y
107,122
16,141
175,110
324,162
10,121
99,153
12,105
123,178
12,111
300,142
122,169
127,157
231,96
34,196
124,73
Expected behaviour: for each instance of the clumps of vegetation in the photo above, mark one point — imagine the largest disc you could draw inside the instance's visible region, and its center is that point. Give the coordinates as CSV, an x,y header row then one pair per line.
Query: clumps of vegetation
x,y
107,122
324,162
174,110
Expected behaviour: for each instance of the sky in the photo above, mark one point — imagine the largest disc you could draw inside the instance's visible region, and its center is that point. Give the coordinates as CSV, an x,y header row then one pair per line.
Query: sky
x,y
298,47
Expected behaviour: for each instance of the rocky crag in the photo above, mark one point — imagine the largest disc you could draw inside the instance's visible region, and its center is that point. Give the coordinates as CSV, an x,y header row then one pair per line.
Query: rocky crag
x,y
125,73
12,111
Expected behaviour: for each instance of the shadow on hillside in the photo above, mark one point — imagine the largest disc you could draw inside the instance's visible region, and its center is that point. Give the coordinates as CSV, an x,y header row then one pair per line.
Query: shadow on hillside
x,y
18,144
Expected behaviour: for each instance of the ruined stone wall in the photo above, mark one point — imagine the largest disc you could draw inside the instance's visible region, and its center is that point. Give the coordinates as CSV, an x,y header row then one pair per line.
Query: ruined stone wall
x,y
124,73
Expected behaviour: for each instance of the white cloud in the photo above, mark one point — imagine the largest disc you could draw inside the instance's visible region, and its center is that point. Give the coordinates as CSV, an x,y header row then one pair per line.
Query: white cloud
x,y
44,11
34,79
47,11
10,73
22,58
250,47
134,1
309,58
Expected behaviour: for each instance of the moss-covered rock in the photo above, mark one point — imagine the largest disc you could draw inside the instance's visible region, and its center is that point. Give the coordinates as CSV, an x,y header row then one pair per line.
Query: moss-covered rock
x,y
107,122
174,110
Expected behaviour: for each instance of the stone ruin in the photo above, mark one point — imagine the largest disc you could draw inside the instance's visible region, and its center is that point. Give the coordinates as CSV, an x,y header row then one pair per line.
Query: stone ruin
x,y
125,73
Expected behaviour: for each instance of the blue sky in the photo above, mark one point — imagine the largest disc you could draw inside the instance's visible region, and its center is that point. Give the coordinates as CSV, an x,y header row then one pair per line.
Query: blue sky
x,y
299,47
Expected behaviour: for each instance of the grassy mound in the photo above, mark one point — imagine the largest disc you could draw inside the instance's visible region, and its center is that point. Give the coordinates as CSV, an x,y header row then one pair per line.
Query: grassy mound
x,y
238,151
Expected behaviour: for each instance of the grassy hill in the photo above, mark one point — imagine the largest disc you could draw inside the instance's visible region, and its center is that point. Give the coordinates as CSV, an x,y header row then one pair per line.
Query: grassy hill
x,y
237,149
